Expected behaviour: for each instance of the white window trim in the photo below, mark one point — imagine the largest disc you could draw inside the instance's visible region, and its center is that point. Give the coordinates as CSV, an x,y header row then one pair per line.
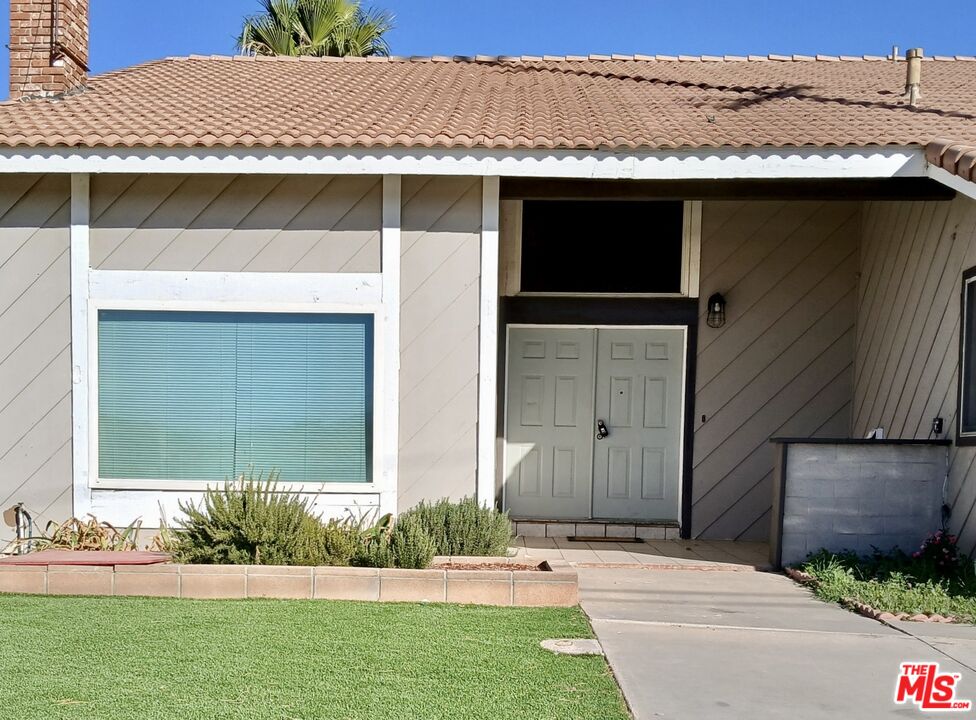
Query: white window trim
x,y
260,303
967,283
690,259
357,293
121,507
691,250
343,290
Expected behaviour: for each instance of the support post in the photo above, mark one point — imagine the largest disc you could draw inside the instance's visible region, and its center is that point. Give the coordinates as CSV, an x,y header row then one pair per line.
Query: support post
x,y
390,423
80,262
488,342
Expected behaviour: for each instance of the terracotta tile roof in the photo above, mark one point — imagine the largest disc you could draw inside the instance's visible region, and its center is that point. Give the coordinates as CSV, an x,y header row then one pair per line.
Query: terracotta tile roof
x,y
957,158
595,102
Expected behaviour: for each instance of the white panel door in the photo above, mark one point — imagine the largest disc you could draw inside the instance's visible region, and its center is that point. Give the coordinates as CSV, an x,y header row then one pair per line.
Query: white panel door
x,y
593,423
639,397
549,441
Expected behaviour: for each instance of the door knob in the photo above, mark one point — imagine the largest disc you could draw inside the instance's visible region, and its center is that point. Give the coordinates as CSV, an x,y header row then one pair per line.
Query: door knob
x,y
601,430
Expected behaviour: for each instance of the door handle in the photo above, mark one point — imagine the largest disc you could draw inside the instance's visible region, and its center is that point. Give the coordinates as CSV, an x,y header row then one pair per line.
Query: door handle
x,y
601,430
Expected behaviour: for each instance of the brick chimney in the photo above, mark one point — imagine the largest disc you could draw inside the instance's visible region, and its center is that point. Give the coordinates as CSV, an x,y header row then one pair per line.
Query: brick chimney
x,y
48,47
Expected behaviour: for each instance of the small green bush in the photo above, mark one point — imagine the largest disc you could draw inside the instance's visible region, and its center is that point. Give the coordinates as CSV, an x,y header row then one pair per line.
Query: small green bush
x,y
462,528
374,553
411,544
249,522
339,542
373,547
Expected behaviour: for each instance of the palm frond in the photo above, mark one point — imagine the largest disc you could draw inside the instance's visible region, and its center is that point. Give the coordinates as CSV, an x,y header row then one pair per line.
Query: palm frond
x,y
316,27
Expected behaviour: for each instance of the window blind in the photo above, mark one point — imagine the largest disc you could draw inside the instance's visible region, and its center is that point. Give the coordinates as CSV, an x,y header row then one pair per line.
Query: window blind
x,y
206,395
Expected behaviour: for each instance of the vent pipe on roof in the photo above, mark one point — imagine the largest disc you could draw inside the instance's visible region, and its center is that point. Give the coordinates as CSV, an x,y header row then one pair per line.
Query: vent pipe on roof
x,y
894,53
913,79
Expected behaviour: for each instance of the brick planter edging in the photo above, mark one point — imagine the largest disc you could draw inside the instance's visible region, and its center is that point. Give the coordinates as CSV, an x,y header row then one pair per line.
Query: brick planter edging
x,y
556,586
865,609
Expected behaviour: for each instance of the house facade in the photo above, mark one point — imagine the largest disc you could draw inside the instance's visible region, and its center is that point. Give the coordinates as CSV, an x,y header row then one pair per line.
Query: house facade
x,y
398,280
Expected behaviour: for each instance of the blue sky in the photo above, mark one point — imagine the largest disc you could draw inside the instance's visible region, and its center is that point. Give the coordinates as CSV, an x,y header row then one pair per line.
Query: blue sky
x,y
125,32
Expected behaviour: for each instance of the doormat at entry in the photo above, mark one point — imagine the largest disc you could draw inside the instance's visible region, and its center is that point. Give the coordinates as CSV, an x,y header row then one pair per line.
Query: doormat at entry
x,y
584,538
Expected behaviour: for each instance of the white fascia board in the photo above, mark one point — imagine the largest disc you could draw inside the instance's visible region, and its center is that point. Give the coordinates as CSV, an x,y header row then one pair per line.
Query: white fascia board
x,y
957,183
700,164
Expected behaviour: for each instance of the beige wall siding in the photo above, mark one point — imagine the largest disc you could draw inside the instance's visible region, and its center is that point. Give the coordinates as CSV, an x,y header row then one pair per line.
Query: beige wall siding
x,y
254,223
907,360
782,365
35,347
439,338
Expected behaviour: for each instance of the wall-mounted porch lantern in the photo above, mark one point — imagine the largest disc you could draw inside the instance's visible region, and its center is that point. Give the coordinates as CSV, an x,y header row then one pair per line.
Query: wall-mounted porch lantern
x,y
716,311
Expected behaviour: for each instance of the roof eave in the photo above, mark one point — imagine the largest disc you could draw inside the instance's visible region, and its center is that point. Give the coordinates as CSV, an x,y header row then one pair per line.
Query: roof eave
x,y
875,161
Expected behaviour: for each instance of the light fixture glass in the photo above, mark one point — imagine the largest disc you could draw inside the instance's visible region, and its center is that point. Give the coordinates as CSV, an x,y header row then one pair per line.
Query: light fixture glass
x,y
716,311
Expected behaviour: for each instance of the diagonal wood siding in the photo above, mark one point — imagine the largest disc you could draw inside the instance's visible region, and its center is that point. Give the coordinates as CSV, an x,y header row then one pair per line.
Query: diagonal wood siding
x,y
35,347
439,338
782,365
253,223
907,359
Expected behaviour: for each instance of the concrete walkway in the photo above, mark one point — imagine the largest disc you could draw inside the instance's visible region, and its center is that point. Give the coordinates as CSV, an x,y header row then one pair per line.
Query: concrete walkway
x,y
696,645
714,554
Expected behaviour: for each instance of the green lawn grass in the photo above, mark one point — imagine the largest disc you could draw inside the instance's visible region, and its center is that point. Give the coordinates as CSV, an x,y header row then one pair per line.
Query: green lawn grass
x,y
123,658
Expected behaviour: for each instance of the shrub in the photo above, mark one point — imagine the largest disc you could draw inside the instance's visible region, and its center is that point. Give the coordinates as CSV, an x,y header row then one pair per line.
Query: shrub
x,y
249,522
940,554
373,546
374,553
339,541
411,543
403,543
462,528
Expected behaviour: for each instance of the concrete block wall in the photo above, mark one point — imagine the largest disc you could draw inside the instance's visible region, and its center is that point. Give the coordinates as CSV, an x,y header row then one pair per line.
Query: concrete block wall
x,y
855,495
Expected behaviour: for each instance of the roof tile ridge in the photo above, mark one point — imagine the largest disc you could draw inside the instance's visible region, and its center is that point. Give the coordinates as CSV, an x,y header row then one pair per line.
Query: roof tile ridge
x,y
594,57
132,68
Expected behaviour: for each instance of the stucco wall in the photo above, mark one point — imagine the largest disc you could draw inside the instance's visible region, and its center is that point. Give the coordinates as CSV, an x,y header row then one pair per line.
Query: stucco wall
x,y
35,347
907,361
782,364
253,223
439,337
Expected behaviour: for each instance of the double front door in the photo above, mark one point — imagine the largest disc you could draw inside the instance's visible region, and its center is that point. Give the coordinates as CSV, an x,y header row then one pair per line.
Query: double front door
x,y
593,423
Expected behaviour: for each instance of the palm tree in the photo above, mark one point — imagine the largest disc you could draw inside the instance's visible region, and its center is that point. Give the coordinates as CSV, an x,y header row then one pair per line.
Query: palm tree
x,y
337,28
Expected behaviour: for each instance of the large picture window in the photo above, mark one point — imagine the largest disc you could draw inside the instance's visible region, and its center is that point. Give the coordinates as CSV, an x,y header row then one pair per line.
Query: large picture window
x,y
967,361
206,395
